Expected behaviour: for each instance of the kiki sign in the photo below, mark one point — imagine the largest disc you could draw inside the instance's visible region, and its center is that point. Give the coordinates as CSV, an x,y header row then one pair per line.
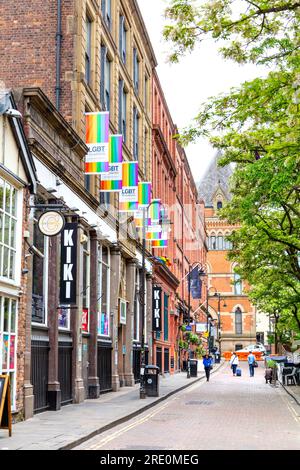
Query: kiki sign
x,y
156,302
68,271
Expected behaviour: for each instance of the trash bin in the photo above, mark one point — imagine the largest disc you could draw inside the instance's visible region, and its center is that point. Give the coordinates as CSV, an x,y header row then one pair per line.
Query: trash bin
x,y
217,358
152,381
193,367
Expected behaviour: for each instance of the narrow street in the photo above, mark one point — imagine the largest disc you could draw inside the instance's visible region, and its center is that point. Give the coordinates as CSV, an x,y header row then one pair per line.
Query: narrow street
x,y
227,413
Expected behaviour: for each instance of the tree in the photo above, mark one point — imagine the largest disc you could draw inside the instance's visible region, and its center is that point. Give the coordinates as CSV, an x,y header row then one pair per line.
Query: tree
x,y
257,128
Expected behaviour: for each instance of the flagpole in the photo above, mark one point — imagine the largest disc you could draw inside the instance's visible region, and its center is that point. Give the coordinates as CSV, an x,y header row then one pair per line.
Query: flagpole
x,y
142,371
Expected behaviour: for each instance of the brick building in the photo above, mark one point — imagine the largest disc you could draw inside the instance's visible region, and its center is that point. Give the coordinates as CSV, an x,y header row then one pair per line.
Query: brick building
x,y
63,59
17,183
173,183
227,297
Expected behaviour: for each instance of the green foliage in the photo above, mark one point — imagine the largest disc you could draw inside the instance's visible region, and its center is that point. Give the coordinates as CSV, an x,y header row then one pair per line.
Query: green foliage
x,y
271,363
257,128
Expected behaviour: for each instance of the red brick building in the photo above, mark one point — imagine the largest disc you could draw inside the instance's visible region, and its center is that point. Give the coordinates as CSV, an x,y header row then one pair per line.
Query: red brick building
x,y
173,183
229,304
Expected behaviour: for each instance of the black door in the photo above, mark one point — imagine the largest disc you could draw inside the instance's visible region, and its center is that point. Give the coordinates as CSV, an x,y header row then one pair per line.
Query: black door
x,y
159,359
136,365
39,374
166,360
104,368
65,372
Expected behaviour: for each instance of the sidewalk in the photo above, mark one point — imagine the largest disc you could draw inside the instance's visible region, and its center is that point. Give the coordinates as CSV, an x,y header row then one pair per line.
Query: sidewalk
x,y
73,424
293,391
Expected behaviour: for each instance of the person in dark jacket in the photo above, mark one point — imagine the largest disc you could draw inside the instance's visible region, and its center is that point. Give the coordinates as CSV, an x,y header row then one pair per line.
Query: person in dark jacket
x,y
207,362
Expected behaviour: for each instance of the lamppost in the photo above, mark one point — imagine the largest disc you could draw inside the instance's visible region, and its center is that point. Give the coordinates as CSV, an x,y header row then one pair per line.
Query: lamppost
x,y
217,294
200,273
143,293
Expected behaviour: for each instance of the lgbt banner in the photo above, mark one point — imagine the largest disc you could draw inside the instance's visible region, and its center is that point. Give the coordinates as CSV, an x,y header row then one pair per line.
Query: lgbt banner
x,y
144,194
97,138
128,200
112,181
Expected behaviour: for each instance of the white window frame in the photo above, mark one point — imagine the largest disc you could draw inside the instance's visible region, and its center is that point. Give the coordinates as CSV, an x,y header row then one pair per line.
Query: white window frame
x,y
15,334
87,252
45,282
16,279
99,274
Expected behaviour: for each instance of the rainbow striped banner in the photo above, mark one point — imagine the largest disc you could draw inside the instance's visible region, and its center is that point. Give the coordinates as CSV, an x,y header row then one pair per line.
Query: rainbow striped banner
x,y
112,181
138,219
159,243
97,138
129,192
155,211
128,206
153,236
144,194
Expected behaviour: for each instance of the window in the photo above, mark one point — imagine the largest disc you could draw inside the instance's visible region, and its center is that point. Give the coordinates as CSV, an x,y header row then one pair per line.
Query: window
x,y
136,64
88,51
238,321
39,278
104,199
145,151
105,83
220,243
86,286
136,314
103,289
122,39
166,317
213,243
122,110
8,225
106,12
237,284
219,205
146,92
135,133
8,341
87,182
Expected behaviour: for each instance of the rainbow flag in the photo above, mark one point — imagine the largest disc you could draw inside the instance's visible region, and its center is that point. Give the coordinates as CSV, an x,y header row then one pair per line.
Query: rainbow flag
x,y
144,194
97,137
112,181
153,236
129,192
155,211
159,243
128,206
138,219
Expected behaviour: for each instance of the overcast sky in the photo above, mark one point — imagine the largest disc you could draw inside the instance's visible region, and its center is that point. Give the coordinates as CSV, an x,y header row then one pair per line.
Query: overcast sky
x,y
187,84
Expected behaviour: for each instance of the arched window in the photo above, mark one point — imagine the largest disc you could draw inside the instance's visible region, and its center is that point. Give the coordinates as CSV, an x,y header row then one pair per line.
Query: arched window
x,y
238,288
219,205
213,242
220,243
238,321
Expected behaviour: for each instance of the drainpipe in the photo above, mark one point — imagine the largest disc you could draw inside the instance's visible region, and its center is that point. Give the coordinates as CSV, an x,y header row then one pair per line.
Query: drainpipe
x,y
58,55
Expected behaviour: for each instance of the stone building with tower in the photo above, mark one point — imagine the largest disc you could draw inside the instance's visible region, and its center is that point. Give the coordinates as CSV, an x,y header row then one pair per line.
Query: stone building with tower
x,y
233,324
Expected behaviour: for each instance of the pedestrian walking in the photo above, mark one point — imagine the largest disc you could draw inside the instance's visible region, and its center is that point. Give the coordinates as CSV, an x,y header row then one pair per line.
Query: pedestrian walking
x,y
207,362
234,362
251,361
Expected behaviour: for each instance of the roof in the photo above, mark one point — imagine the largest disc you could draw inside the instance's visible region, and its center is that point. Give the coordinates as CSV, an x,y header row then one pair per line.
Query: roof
x,y
18,131
215,177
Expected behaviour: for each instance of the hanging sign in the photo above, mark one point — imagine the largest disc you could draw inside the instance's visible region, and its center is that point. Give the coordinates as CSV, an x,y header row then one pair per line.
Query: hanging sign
x,y
97,138
5,404
155,211
112,181
156,306
68,270
144,194
160,243
128,200
85,320
51,223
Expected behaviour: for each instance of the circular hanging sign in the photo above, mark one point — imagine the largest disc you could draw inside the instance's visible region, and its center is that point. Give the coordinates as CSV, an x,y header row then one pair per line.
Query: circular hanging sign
x,y
51,223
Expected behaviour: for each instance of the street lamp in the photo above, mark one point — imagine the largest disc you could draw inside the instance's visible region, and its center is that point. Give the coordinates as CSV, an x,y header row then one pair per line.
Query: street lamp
x,y
143,293
200,273
217,294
